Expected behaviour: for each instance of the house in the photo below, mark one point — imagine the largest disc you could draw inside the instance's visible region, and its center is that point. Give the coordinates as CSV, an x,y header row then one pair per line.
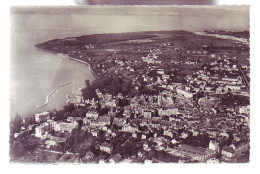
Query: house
x,y
233,88
228,152
146,146
168,133
128,128
106,147
195,153
213,145
75,99
167,112
115,159
143,137
119,121
42,117
50,143
99,93
160,71
73,119
244,109
94,133
92,114
147,114
212,132
165,77
86,121
127,113
65,127
104,120
220,90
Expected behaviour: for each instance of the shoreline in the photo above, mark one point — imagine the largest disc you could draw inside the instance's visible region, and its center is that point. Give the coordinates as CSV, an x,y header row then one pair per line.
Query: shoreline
x,y
72,58
242,40
47,98
82,61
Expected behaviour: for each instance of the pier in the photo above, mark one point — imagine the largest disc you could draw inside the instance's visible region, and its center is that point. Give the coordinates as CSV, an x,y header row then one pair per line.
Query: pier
x,y
47,98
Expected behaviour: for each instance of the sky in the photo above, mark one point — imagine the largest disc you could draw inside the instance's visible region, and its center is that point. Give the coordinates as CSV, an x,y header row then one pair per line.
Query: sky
x,y
146,2
221,17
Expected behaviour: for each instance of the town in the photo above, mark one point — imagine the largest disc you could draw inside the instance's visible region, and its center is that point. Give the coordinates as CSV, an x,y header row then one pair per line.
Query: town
x,y
159,97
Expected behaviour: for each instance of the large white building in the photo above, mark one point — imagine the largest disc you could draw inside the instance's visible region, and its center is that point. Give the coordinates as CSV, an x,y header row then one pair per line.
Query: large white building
x,y
41,117
41,129
65,127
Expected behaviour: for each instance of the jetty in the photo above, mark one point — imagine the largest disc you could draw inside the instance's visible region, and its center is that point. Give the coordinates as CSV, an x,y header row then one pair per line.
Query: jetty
x,y
47,98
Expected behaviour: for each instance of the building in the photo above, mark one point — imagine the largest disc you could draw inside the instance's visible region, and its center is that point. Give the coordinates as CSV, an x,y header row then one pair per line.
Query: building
x,y
75,99
104,120
115,159
195,153
128,128
41,130
213,145
160,71
92,114
42,117
165,98
73,119
233,88
119,121
99,93
184,93
106,147
52,124
94,133
65,127
147,114
227,152
240,147
244,109
167,112
168,133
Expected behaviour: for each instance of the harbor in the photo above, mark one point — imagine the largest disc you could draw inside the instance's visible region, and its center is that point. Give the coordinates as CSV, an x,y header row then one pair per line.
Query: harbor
x,y
47,98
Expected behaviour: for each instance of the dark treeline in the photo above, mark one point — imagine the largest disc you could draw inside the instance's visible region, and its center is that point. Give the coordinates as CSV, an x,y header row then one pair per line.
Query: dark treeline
x,y
94,39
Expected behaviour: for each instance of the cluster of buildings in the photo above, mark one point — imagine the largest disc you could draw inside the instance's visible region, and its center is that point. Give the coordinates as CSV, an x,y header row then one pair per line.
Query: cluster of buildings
x,y
194,105
46,125
171,111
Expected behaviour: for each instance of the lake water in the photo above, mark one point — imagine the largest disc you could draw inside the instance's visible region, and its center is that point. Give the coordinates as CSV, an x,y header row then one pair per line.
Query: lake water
x,y
35,73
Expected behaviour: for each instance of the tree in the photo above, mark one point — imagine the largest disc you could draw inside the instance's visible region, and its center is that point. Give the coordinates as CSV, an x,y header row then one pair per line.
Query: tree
x,y
82,112
89,93
17,123
69,108
66,115
87,83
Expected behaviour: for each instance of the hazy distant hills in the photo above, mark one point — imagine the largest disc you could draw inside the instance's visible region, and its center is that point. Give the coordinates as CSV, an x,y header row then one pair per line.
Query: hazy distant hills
x,y
184,11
